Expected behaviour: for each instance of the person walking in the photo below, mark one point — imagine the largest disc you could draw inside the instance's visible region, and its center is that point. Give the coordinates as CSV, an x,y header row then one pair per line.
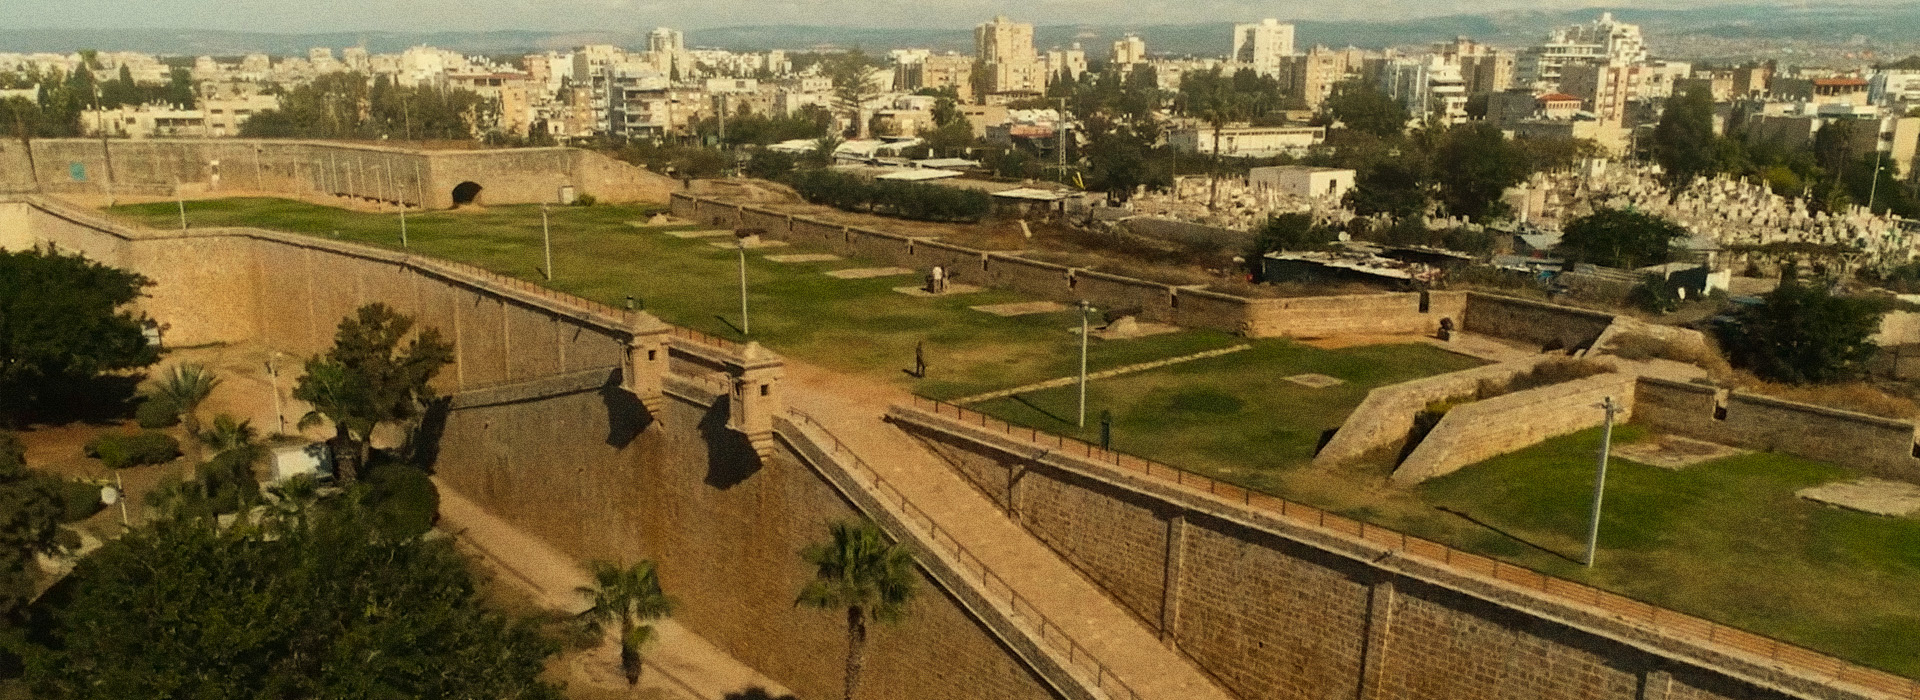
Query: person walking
x,y
920,359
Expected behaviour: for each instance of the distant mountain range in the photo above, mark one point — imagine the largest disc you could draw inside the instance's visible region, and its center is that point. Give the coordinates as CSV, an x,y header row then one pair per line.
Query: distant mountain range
x,y
1879,24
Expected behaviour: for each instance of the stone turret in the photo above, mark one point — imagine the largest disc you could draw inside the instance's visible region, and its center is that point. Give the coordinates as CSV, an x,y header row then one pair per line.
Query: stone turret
x,y
645,369
756,397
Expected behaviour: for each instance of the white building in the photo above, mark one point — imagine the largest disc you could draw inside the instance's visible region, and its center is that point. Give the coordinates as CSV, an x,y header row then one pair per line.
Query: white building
x,y
1891,86
1129,50
1262,46
1303,181
1605,41
1247,141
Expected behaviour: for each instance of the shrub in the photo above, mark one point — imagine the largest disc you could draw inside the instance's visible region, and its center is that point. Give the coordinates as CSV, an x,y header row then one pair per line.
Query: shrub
x,y
584,200
155,413
228,481
79,499
405,502
119,451
909,200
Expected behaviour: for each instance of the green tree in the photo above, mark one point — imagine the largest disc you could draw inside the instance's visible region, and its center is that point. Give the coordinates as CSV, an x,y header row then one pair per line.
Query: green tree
x,y
627,598
1621,238
64,321
1480,164
1804,334
1289,232
1360,106
185,388
30,513
313,602
21,119
1399,188
857,570
852,91
1683,142
369,378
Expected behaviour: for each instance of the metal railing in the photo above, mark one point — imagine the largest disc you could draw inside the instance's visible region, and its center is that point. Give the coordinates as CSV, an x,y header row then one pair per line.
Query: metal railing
x,y
991,583
1781,653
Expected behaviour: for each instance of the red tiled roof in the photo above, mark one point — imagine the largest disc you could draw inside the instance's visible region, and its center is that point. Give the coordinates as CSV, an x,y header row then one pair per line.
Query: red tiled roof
x,y
1557,97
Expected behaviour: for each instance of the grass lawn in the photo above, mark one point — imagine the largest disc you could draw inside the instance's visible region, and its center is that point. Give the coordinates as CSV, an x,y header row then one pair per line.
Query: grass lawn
x,y
1725,540
856,326
1233,417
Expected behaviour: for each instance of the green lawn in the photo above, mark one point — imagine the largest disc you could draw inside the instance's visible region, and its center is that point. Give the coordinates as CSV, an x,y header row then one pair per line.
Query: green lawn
x,y
1725,540
1233,417
857,326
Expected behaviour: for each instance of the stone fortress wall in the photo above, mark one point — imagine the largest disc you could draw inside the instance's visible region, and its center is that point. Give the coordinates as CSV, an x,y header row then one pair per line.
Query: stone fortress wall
x,y
416,178
553,426
566,425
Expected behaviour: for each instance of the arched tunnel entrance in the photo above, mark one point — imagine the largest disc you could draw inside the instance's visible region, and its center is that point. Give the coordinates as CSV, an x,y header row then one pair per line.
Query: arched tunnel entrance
x,y
466,193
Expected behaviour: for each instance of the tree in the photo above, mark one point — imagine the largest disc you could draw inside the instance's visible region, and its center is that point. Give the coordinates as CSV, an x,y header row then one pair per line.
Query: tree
x,y
1398,188
21,118
368,379
859,571
30,513
1803,334
313,601
1683,142
1363,107
1621,238
185,388
852,90
64,321
1480,164
628,598
1289,232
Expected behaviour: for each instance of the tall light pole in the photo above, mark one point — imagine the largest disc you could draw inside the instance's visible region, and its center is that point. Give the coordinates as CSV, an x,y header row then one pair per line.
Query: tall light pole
x,y
546,240
273,379
742,239
1085,309
1600,479
182,200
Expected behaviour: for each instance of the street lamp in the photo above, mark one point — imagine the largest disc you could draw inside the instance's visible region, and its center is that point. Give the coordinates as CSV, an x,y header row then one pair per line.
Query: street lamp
x,y
1600,479
546,241
1085,309
273,382
740,237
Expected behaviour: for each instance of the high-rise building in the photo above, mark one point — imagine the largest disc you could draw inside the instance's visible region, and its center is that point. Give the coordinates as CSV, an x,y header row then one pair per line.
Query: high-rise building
x,y
936,72
1311,76
356,59
1005,49
1262,46
1484,69
1604,41
1129,50
664,39
1066,63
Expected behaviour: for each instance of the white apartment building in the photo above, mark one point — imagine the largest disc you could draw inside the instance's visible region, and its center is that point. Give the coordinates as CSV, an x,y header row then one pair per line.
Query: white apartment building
x,y
1005,50
1262,46
1129,50
1603,41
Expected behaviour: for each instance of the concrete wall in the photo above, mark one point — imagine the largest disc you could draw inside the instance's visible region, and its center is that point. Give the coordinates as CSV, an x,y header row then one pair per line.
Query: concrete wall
x,y
307,168
1276,608
1485,429
1882,446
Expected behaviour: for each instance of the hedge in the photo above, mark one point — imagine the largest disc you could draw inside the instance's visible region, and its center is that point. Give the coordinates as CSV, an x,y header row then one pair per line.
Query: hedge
x,y
405,502
907,200
155,413
119,451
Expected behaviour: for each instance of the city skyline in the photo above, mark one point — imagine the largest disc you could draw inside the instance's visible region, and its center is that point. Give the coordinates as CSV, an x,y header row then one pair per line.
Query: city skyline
x,y
591,15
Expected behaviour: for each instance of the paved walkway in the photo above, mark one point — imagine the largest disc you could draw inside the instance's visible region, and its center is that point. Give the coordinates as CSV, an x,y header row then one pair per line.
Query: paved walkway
x,y
679,664
853,408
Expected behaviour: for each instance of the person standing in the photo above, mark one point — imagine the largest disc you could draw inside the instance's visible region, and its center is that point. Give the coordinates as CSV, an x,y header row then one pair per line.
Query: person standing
x,y
939,279
920,359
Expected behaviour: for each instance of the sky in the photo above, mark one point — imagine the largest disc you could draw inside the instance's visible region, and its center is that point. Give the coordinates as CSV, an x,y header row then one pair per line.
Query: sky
x,y
295,16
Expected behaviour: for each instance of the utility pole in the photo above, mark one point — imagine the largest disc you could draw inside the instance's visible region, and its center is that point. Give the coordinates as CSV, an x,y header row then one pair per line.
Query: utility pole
x,y
1060,129
546,240
182,200
1085,309
1600,480
1874,189
743,285
273,378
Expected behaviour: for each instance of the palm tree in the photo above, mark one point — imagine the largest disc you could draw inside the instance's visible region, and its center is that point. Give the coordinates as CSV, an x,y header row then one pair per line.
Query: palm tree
x,y
629,597
860,571
185,388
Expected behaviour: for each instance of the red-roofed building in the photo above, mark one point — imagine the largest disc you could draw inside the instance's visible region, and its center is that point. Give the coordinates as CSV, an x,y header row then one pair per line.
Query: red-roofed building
x,y
1557,105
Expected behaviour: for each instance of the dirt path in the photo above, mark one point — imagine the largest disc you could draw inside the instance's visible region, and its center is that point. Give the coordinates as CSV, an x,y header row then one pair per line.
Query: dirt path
x,y
679,664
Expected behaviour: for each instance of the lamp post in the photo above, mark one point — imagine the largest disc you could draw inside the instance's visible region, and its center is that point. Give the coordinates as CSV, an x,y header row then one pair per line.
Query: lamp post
x,y
741,238
1600,480
1085,308
546,241
273,382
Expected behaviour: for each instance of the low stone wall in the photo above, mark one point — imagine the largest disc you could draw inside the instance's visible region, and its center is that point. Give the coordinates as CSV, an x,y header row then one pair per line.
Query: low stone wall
x,y
1882,446
1362,314
1382,422
1473,432
1277,607
1538,323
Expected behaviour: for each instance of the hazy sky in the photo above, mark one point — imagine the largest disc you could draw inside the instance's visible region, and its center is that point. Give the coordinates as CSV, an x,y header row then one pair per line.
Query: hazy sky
x,y
625,15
